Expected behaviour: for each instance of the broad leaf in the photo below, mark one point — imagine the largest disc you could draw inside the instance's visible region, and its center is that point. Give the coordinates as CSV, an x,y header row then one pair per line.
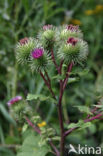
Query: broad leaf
x,y
81,125
40,97
84,109
31,147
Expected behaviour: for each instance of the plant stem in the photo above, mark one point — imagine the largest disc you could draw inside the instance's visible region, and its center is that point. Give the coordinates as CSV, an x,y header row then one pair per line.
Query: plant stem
x,y
49,81
48,85
86,120
55,149
53,59
93,118
33,126
60,67
67,75
60,115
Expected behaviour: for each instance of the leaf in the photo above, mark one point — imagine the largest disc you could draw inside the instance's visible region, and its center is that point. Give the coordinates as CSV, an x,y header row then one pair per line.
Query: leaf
x,y
80,71
71,80
56,138
6,115
100,107
84,109
26,5
73,125
81,125
85,125
31,146
40,97
37,96
58,77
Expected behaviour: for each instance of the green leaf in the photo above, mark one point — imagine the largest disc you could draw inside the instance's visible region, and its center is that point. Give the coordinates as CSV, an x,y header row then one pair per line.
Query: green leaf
x,y
6,114
84,72
84,109
85,125
80,71
26,5
31,147
58,77
73,125
81,125
71,80
40,97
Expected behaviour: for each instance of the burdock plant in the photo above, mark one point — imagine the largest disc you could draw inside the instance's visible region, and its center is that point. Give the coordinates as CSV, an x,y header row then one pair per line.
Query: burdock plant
x,y
64,48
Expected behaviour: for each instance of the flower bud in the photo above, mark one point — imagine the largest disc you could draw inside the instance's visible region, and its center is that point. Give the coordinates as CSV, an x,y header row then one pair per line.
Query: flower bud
x,y
48,34
73,50
70,31
23,49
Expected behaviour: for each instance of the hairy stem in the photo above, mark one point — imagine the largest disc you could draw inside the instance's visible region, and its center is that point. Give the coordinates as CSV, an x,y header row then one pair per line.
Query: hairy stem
x,y
60,115
67,75
53,59
49,81
32,125
54,148
48,85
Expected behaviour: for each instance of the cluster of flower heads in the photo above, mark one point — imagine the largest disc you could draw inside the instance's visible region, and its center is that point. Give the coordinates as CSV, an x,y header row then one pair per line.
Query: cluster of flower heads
x,y
66,42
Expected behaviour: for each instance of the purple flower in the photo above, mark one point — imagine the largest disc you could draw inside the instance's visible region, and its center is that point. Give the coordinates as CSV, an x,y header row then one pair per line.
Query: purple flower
x,y
14,100
72,41
72,27
46,27
37,53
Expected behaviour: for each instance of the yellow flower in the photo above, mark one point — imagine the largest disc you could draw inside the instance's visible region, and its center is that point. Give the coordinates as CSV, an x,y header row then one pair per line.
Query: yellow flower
x,y
42,124
75,21
89,12
98,8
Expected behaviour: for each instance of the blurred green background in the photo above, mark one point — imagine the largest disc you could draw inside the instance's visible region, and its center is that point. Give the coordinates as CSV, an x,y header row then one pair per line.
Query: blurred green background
x,y
23,18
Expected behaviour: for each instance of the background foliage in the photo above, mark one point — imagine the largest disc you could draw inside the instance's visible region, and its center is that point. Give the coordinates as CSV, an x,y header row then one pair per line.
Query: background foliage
x,y
20,18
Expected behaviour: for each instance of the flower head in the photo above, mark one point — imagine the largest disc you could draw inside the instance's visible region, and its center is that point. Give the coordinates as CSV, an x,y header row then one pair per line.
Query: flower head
x,y
14,100
23,41
42,124
37,53
70,31
74,49
24,48
40,59
46,27
72,41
